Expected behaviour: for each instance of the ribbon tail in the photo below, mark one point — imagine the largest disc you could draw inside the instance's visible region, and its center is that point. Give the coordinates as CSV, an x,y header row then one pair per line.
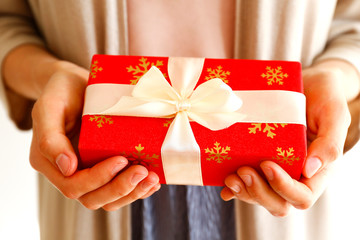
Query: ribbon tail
x,y
184,168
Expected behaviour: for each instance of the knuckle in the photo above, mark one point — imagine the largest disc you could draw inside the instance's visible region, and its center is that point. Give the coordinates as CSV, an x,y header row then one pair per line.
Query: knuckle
x,y
45,143
334,151
256,196
282,186
119,189
39,106
70,193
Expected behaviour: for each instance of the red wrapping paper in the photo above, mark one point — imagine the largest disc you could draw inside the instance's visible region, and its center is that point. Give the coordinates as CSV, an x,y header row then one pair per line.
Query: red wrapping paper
x,y
222,152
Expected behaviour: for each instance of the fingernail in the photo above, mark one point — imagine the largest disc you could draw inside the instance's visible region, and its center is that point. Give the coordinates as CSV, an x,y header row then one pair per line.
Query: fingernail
x,y
137,178
268,173
119,166
247,180
63,162
313,164
235,189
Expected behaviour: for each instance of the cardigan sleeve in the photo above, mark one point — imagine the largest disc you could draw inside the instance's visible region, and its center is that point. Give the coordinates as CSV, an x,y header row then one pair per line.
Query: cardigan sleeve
x,y
17,27
344,43
344,36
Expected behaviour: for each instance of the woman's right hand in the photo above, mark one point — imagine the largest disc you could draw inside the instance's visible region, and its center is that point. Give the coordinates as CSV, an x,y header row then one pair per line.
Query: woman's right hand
x,y
56,119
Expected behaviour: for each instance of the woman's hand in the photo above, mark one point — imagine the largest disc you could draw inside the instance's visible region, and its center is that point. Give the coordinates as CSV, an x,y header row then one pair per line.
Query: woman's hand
x,y
328,119
56,117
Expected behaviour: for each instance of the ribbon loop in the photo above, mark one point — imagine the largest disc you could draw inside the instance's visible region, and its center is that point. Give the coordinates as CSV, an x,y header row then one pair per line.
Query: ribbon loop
x,y
211,98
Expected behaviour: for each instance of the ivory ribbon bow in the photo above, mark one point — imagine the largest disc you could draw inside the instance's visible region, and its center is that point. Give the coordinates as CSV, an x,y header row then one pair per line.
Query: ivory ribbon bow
x,y
212,104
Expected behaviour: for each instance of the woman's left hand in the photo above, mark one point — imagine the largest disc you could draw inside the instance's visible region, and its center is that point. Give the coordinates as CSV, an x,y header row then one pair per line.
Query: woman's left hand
x,y
328,119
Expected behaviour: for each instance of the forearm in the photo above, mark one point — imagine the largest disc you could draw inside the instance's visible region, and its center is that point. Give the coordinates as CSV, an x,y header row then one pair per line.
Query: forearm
x,y
27,69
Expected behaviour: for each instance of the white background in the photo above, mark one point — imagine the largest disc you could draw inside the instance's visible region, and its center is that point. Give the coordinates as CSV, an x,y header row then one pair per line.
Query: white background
x,y
18,189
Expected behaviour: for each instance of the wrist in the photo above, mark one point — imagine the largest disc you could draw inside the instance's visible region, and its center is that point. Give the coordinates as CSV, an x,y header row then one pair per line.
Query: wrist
x,y
28,68
50,68
338,72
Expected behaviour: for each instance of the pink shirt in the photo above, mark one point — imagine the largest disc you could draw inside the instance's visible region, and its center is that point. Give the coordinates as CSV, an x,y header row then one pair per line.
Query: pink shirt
x,y
186,28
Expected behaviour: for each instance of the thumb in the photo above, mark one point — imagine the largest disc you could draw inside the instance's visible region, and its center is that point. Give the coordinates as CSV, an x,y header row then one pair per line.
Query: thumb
x,y
58,150
321,152
50,138
329,142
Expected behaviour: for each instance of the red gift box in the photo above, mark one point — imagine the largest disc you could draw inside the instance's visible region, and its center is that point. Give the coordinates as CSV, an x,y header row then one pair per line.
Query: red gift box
x,y
272,126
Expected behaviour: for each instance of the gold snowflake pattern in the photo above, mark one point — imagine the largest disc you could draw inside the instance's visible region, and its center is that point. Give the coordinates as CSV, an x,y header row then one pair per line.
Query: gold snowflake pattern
x,y
167,123
217,73
286,156
141,158
218,153
268,129
144,66
95,69
274,75
100,120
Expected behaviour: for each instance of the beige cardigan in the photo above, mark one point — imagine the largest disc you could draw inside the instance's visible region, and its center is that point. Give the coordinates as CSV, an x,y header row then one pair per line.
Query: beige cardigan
x,y
303,30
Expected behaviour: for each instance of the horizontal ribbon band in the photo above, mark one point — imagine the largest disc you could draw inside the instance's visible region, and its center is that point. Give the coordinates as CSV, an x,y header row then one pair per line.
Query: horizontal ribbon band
x,y
259,106
212,104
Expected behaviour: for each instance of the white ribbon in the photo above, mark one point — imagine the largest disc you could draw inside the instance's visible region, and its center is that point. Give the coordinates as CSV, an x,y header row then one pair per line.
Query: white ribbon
x,y
212,104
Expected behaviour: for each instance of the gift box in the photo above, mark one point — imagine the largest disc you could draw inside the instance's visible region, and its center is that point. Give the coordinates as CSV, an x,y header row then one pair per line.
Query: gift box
x,y
194,121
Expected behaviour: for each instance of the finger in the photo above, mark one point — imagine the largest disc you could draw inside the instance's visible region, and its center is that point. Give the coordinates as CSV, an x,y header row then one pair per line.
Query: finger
x,y
301,194
142,189
90,179
83,181
49,130
237,189
152,191
118,188
226,194
262,193
329,143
